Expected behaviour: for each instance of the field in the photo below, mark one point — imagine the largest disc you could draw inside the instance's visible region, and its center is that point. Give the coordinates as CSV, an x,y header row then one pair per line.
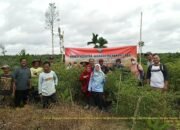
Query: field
x,y
154,110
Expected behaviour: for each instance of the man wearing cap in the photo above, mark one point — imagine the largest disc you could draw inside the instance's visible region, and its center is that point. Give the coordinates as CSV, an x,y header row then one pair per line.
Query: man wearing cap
x,y
36,69
6,85
149,57
104,68
51,60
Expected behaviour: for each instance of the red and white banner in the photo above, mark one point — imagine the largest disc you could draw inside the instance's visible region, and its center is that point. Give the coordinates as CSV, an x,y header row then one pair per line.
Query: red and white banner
x,y
109,55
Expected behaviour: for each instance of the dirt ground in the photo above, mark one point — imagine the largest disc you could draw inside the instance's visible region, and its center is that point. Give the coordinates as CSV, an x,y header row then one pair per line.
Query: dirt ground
x,y
60,117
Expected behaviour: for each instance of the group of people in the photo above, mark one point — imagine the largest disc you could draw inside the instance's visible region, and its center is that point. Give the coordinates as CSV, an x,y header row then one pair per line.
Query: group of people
x,y
15,87
94,76
43,81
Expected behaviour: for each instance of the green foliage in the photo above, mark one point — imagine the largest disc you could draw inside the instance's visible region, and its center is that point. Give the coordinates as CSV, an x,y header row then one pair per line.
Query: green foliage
x,y
126,93
156,125
98,42
69,85
121,88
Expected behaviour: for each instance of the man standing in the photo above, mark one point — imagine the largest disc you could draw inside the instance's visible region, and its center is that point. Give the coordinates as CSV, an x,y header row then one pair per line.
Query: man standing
x,y
104,68
36,69
48,81
6,85
149,57
22,77
118,65
157,75
91,62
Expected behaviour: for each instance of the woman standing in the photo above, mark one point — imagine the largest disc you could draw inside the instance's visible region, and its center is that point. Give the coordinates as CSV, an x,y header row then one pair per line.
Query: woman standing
x,y
84,79
137,71
96,86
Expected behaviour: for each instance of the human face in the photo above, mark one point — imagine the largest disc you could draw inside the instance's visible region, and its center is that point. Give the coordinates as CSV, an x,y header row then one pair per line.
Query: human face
x,y
91,62
118,62
156,59
149,57
36,64
101,63
23,63
97,68
6,70
133,62
88,69
46,68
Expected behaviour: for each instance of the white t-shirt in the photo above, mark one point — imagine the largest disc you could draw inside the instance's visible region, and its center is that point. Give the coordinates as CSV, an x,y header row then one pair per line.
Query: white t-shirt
x,y
47,83
157,78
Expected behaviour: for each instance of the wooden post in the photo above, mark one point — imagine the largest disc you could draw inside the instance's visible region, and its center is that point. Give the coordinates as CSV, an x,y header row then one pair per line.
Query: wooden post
x,y
117,105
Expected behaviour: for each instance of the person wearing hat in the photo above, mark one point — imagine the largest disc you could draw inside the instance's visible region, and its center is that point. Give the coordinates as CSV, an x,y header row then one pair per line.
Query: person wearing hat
x,y
104,68
6,85
51,60
149,57
118,65
84,63
36,69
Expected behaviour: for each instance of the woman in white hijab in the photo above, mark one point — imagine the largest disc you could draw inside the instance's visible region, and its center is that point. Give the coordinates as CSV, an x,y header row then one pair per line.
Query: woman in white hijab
x,y
96,86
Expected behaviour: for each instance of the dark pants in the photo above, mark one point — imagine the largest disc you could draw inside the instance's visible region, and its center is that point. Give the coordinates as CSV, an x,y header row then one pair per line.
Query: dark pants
x,y
98,99
21,96
46,100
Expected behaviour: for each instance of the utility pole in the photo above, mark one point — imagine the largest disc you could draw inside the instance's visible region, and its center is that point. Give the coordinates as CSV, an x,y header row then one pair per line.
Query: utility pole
x,y
140,43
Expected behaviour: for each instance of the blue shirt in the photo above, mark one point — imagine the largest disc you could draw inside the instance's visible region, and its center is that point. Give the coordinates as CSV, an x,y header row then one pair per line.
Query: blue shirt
x,y
22,78
96,83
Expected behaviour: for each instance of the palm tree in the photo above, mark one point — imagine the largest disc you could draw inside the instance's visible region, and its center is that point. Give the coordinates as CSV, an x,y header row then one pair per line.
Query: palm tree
x,y
94,40
98,42
102,42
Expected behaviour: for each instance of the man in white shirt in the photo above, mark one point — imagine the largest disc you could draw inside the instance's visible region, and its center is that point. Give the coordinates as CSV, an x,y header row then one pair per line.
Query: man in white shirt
x,y
157,75
47,82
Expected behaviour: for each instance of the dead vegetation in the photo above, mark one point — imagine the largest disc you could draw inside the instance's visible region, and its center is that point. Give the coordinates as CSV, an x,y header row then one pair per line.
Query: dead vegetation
x,y
61,117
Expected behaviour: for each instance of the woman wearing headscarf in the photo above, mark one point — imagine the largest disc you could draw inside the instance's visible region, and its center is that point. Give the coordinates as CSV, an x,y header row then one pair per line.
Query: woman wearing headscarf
x,y
84,79
96,86
137,71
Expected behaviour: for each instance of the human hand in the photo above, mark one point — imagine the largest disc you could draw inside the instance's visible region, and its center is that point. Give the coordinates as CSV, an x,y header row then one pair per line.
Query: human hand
x,y
85,76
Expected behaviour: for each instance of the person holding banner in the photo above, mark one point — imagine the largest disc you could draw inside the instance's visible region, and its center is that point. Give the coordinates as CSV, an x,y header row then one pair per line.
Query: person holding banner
x,y
96,86
84,79
137,71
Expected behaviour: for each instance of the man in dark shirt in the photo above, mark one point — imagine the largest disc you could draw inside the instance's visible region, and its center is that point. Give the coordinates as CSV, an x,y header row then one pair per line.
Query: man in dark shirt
x,y
91,62
22,77
6,85
104,68
118,65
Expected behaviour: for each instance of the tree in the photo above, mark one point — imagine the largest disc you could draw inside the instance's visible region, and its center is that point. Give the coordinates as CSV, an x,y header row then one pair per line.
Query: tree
x,y
51,19
98,42
102,42
22,52
3,49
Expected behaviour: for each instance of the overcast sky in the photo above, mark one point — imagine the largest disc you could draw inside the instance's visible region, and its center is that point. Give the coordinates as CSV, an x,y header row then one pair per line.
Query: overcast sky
x,y
22,24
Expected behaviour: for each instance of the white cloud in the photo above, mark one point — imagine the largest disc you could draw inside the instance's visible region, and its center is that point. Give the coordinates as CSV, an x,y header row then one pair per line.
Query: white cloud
x,y
22,23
